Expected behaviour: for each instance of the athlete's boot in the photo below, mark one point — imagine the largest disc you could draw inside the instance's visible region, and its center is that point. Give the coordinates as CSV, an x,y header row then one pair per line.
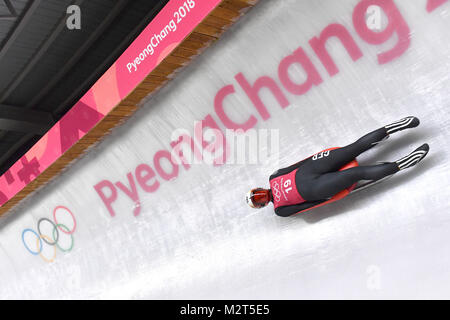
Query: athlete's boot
x,y
413,158
405,123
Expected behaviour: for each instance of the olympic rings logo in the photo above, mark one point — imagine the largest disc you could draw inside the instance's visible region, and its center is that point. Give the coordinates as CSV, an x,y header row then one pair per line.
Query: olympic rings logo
x,y
276,191
52,240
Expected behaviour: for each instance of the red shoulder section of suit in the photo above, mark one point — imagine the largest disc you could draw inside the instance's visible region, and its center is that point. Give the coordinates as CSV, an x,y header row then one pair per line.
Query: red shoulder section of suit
x,y
284,190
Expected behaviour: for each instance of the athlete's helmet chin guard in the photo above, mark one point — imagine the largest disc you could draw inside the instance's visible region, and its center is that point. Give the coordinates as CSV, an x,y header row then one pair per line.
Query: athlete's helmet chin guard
x,y
257,198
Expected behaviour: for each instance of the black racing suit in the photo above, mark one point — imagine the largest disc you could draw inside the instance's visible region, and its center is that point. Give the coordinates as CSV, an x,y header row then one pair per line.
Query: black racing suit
x,y
318,178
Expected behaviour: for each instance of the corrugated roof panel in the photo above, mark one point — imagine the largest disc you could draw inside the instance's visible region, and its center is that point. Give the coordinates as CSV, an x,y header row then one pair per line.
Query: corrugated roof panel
x,y
30,39
7,24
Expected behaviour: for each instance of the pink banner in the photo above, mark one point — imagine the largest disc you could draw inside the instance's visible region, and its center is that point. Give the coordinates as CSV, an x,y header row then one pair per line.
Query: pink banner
x,y
174,23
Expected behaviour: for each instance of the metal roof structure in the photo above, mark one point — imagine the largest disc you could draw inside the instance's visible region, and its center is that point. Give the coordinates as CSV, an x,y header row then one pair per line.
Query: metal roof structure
x,y
45,67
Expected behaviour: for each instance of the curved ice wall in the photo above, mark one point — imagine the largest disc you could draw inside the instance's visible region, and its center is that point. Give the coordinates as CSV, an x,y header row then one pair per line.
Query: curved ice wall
x,y
138,223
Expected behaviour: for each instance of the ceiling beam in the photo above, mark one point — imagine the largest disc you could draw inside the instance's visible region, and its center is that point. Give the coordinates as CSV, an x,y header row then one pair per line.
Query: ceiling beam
x,y
11,8
12,12
29,121
18,29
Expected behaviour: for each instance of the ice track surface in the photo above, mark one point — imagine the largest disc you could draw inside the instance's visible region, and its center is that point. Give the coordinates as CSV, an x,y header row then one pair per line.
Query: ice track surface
x,y
194,236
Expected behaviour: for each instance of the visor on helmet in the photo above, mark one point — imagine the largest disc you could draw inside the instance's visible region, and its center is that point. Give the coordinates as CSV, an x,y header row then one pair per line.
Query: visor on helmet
x,y
258,198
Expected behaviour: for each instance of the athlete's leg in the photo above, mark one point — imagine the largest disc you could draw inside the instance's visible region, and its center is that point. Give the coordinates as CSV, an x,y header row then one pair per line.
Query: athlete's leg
x,y
326,185
337,158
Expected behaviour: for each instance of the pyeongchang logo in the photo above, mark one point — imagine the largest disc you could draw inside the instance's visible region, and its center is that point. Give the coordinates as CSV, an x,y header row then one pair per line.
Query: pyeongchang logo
x,y
376,22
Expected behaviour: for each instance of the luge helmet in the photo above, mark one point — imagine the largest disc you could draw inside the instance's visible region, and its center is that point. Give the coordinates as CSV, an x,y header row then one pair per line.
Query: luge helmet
x,y
258,198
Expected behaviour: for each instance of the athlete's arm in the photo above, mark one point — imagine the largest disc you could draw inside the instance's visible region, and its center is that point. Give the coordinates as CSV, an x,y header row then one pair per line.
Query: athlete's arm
x,y
287,211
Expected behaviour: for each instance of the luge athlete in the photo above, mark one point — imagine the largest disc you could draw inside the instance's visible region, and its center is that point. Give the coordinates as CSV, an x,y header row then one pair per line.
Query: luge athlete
x,y
317,179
